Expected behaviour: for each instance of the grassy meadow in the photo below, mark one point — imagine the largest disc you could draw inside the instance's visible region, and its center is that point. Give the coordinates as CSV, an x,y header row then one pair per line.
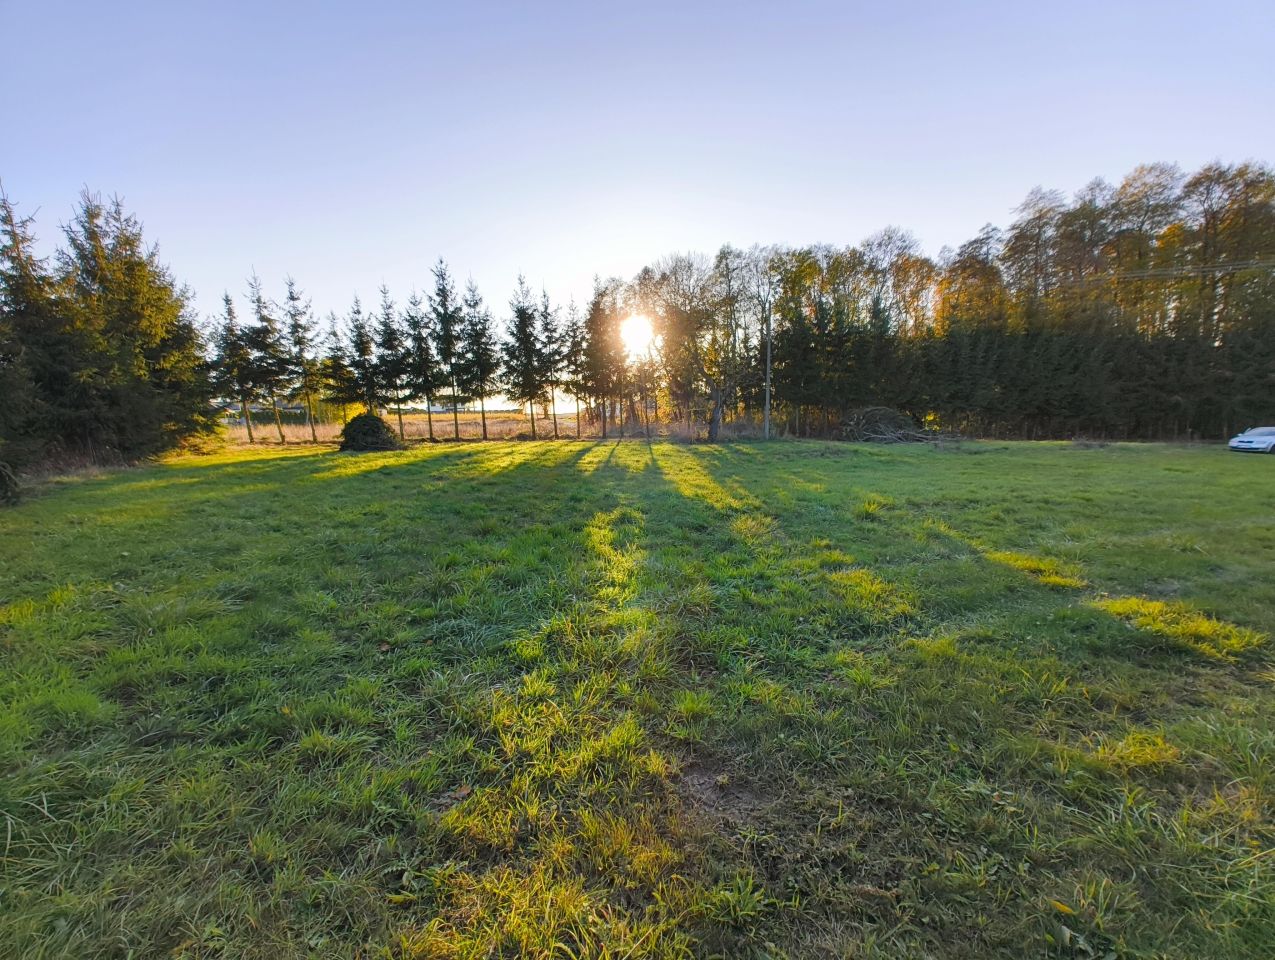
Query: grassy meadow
x,y
621,700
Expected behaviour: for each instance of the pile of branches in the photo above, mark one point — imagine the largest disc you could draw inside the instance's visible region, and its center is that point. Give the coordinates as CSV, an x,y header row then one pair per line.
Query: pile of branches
x,y
9,489
882,425
368,432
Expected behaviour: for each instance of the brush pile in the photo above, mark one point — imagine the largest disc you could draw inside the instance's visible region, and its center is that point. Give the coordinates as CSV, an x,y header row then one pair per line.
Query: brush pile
x,y
9,490
882,425
368,432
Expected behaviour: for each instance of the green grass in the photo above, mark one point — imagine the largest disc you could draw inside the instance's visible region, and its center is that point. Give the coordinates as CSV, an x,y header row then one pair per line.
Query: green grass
x,y
626,700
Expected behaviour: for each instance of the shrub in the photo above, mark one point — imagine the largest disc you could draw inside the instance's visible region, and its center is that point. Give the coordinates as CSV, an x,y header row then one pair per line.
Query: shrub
x,y
368,432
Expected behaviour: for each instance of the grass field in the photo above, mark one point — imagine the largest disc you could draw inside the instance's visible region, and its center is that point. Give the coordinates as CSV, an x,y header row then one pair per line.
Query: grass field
x,y
626,700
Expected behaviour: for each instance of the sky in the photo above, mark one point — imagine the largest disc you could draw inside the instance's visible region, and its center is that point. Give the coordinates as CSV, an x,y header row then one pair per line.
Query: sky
x,y
351,145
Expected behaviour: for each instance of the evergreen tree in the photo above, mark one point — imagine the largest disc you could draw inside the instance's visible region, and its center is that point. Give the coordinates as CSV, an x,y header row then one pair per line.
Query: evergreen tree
x,y
573,358
361,358
422,367
447,316
524,362
552,353
601,370
232,363
480,352
28,324
392,359
340,385
132,350
268,348
304,369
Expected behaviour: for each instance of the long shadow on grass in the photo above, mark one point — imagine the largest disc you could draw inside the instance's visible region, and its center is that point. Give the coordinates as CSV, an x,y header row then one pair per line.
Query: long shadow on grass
x,y
569,835
435,705
608,708
333,680
895,760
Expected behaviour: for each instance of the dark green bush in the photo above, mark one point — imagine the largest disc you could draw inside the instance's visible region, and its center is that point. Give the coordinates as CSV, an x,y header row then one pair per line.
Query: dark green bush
x,y
368,432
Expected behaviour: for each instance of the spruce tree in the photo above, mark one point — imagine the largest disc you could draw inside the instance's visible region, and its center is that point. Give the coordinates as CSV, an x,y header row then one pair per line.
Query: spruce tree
x,y
232,363
304,371
523,359
552,353
340,386
573,358
422,366
361,357
447,316
268,348
480,364
392,360
28,326
603,354
137,357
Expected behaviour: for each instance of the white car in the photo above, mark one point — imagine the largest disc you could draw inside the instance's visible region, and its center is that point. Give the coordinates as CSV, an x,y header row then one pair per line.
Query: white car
x,y
1254,440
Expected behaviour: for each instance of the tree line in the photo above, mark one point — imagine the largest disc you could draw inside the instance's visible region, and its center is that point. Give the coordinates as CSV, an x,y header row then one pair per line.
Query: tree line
x,y
1142,310
444,351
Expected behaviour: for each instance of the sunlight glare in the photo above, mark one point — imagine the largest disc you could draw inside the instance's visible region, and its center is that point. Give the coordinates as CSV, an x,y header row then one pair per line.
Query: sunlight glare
x,y
637,335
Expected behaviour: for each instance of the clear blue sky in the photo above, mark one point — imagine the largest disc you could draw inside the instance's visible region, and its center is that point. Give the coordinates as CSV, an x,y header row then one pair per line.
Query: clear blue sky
x,y
350,144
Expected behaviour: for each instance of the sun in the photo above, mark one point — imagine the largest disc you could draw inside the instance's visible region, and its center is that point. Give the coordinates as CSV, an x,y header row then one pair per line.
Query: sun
x,y
637,335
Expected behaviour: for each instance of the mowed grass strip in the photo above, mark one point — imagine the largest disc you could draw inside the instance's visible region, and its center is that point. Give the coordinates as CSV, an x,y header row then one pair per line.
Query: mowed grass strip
x,y
642,700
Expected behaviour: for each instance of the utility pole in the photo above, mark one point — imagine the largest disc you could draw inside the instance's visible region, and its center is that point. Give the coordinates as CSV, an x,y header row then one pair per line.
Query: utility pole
x,y
766,404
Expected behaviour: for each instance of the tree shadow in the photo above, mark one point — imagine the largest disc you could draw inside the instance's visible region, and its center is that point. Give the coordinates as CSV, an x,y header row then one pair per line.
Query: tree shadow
x,y
493,662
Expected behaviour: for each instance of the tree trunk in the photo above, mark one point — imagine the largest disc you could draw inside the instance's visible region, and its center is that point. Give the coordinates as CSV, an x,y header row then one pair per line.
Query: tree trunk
x,y
401,434
482,412
553,405
455,413
766,404
247,417
577,418
531,409
602,409
278,421
429,415
715,420
309,416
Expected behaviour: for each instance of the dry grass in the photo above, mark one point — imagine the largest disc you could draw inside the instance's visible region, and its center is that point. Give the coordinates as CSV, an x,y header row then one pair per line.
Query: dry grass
x,y
501,425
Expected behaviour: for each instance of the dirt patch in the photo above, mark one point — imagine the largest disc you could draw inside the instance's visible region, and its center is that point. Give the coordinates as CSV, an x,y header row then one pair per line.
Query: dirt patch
x,y
710,788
